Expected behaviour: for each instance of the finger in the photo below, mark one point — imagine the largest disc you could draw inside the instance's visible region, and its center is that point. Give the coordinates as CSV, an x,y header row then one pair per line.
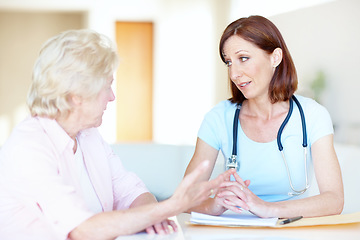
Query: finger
x,y
220,190
232,190
150,230
215,183
228,173
239,179
159,229
232,204
236,202
233,184
234,209
165,226
226,193
173,225
196,173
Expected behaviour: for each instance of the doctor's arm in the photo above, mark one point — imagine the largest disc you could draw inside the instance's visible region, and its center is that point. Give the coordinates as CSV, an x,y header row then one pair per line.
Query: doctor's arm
x,y
329,201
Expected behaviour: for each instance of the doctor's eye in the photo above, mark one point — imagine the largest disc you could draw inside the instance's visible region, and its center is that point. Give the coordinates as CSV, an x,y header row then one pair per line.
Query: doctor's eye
x,y
228,63
243,59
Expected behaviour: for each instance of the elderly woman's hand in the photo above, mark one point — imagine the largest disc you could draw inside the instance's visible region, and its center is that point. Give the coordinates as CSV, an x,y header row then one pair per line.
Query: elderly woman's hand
x,y
192,192
164,227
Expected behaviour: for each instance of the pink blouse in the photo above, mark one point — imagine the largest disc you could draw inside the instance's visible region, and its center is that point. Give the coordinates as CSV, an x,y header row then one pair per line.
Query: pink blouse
x,y
40,194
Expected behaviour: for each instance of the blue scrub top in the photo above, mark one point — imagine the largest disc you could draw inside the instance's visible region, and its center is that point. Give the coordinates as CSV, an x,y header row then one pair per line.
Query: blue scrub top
x,y
262,163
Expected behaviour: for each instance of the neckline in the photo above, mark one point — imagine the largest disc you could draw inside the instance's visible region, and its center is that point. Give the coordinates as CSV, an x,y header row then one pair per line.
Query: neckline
x,y
251,140
280,130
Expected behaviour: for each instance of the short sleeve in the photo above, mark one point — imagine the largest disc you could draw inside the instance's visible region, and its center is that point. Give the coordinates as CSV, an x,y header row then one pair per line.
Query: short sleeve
x,y
319,121
207,132
214,128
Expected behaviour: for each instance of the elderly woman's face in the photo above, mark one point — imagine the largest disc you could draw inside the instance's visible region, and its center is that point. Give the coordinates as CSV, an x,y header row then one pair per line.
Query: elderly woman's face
x,y
250,68
93,110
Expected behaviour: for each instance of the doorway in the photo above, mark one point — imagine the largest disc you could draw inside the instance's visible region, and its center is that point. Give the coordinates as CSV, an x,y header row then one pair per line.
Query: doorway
x,y
134,88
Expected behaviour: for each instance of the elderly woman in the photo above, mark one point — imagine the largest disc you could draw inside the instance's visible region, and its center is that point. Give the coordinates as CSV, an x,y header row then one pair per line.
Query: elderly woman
x,y
58,178
274,139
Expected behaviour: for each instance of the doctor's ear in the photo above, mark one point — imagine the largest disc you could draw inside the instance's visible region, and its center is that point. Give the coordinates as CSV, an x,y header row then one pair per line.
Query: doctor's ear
x,y
277,56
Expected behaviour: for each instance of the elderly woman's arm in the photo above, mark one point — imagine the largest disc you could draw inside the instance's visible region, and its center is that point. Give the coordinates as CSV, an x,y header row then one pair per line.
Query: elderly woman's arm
x,y
159,227
109,225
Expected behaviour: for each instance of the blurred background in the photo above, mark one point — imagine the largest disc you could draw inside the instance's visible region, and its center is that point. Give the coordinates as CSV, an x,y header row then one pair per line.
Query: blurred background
x,y
170,73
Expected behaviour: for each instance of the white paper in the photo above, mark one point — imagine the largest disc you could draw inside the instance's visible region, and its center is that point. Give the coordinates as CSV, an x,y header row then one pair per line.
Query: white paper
x,y
230,218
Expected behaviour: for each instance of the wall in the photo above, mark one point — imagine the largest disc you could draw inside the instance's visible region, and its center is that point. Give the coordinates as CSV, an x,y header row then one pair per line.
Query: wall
x,y
22,34
326,38
185,50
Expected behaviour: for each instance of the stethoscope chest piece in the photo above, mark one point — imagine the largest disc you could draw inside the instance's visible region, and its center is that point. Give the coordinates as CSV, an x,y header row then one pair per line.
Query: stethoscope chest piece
x,y
232,163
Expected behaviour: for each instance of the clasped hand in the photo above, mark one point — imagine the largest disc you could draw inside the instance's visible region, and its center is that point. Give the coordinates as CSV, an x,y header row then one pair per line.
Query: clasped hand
x,y
236,196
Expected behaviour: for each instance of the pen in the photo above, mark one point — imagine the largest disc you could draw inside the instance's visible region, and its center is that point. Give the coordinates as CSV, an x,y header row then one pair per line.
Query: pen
x,y
289,220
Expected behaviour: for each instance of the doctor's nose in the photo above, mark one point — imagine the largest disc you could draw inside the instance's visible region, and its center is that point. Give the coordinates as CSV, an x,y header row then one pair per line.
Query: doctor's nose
x,y
235,74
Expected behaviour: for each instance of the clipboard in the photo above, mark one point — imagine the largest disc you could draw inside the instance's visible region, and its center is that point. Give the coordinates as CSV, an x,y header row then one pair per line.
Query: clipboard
x,y
325,220
304,222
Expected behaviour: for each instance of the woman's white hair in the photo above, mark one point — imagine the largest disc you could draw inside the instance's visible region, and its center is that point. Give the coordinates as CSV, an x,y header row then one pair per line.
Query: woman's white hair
x,y
75,62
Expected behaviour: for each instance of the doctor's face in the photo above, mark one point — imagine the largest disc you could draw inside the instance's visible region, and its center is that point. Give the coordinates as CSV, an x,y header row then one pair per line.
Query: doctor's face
x,y
250,68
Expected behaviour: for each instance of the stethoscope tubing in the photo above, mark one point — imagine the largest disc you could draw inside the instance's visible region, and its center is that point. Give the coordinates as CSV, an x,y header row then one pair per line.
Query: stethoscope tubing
x,y
233,163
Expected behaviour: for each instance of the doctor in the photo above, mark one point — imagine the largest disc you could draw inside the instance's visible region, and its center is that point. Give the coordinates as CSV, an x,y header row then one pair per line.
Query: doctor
x,y
274,139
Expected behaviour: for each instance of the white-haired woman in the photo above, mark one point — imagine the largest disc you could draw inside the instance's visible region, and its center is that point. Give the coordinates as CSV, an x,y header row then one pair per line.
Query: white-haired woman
x,y
58,178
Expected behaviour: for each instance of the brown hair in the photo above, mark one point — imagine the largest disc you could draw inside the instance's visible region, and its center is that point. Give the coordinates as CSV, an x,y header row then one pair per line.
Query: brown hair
x,y
264,34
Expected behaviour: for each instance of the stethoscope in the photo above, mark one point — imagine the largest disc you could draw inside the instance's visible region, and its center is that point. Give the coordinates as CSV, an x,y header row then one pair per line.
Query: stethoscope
x,y
233,163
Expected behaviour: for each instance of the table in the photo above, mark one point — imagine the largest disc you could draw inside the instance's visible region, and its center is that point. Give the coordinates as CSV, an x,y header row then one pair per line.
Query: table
x,y
191,232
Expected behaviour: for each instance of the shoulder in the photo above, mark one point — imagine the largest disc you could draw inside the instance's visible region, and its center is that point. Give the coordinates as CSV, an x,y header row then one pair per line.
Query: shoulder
x,y
306,101
38,134
310,106
317,117
28,131
29,143
216,123
220,115
221,109
225,105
